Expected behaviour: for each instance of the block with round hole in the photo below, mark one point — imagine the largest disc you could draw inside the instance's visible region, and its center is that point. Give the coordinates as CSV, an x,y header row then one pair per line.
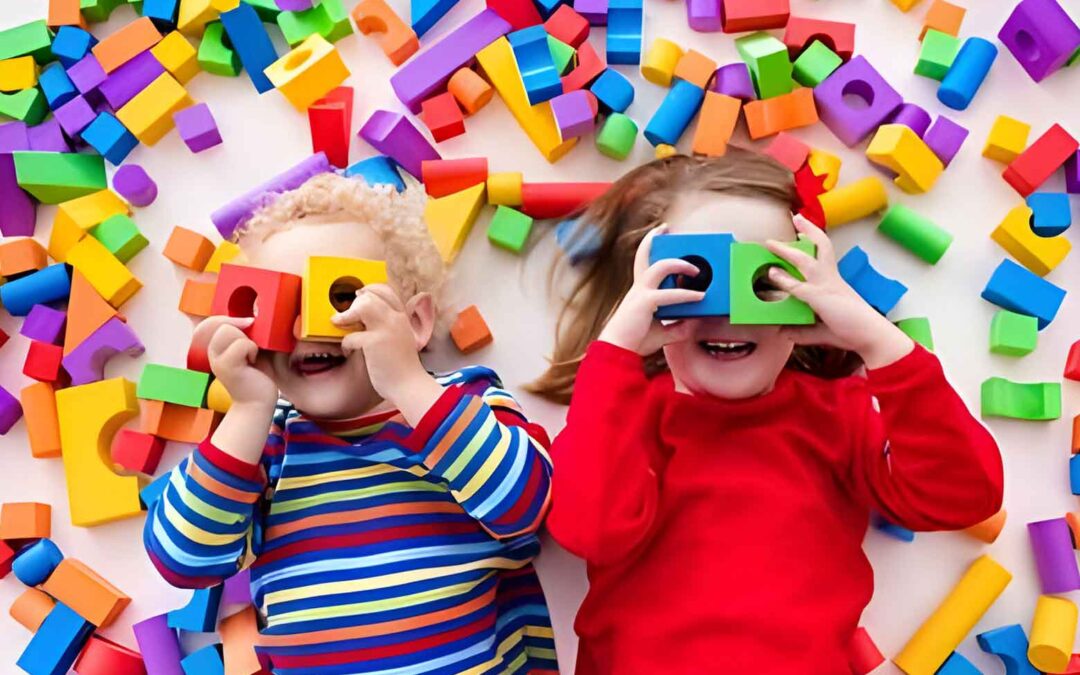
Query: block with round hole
x,y
710,254
750,262
309,72
329,286
855,100
272,298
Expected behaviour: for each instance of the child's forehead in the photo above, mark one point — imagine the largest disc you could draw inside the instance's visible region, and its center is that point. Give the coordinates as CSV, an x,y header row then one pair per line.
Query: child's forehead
x,y
748,218
285,248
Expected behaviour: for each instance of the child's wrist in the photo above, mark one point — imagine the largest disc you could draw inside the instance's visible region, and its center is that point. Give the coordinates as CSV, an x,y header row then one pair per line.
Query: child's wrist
x,y
414,393
884,345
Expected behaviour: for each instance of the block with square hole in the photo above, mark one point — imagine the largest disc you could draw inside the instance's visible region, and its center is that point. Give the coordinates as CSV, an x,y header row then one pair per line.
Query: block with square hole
x,y
709,253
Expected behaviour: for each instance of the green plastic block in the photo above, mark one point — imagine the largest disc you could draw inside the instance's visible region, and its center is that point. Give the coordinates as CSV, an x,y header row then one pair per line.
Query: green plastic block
x,y
509,229
28,105
216,54
121,236
54,177
937,54
267,10
32,38
173,385
561,53
327,18
1013,334
1037,401
617,136
96,11
769,64
749,263
918,329
815,64
916,233
1074,58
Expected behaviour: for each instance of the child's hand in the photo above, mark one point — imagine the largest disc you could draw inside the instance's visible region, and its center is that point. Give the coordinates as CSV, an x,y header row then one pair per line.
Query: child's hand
x,y
846,320
633,325
236,361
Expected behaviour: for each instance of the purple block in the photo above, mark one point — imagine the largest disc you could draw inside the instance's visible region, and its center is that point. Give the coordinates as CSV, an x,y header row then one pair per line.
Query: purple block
x,y
913,117
135,185
1072,174
1055,558
129,79
197,127
573,114
87,75
703,15
75,115
855,100
237,589
428,72
18,215
44,324
293,5
594,11
1041,35
86,363
160,646
10,411
14,136
234,214
48,137
393,135
945,138
734,80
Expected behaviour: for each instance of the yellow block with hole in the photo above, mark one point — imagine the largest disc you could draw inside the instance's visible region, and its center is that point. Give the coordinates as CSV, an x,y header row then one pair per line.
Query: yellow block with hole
x,y
450,218
1008,138
74,219
150,114
178,56
504,189
825,164
18,73
226,252
308,72
854,201
326,277
1038,254
660,62
1053,630
109,277
898,148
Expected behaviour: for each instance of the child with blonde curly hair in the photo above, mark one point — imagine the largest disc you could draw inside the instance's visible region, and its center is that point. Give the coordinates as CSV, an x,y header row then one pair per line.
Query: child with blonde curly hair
x,y
392,514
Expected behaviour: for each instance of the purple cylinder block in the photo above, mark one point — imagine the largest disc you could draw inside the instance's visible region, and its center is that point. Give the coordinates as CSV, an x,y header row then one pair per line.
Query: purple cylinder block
x,y
734,80
913,117
234,214
160,646
1055,557
133,184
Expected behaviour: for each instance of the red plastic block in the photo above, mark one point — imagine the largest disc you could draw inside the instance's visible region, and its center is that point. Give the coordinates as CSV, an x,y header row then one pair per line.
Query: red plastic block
x,y
331,125
43,361
278,297
739,16
1042,158
567,26
557,200
1072,363
518,13
789,151
102,656
589,67
443,117
444,177
137,451
836,35
808,188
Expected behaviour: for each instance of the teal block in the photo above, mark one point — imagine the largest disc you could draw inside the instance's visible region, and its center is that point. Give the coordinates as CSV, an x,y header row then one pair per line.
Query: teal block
x,y
749,263
173,385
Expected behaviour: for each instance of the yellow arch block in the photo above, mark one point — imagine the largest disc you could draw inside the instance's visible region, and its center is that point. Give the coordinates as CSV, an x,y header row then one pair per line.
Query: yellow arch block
x,y
321,275
450,218
89,416
1053,630
1038,254
898,148
854,201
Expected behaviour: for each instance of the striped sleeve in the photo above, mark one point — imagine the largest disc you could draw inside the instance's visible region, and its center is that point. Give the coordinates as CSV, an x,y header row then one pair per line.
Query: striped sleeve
x,y
495,462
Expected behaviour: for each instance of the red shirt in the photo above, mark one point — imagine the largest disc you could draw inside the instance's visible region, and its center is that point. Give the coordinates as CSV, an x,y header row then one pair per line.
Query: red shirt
x,y
725,536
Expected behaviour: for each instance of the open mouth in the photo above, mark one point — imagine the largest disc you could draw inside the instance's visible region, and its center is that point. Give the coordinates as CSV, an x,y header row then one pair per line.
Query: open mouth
x,y
727,350
316,362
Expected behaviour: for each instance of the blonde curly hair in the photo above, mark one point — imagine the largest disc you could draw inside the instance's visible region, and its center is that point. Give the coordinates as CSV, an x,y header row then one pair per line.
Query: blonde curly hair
x,y
413,263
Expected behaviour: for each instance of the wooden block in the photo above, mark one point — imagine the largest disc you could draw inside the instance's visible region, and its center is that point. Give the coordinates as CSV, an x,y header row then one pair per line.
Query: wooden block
x,y
24,521
149,116
179,58
716,123
42,426
1039,254
18,256
137,451
471,91
330,119
31,608
197,298
329,286
87,311
127,42
188,248
444,177
696,68
469,331
1008,138
309,72
109,277
85,591
178,423
450,219
395,37
278,297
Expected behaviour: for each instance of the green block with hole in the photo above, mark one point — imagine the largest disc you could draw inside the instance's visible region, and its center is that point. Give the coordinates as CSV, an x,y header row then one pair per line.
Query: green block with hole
x,y
918,329
54,177
121,236
561,53
96,11
1036,401
32,38
617,136
326,17
173,385
216,54
267,10
28,105
1013,334
815,64
509,229
749,263
769,64
937,54
916,233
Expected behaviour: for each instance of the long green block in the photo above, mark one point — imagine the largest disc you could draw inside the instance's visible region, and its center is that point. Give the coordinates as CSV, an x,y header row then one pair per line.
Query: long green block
x,y
561,53
32,38
769,64
96,11
918,329
937,54
173,385
267,10
28,105
1013,334
216,55
1037,401
617,136
916,233
749,263
54,177
509,229
815,64
327,18
121,236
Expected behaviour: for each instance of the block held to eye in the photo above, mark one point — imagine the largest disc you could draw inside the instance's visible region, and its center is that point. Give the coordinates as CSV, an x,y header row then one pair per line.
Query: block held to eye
x,y
750,262
710,254
272,298
330,285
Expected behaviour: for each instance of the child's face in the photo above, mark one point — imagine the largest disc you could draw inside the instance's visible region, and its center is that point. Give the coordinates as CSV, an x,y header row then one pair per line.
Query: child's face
x,y
720,359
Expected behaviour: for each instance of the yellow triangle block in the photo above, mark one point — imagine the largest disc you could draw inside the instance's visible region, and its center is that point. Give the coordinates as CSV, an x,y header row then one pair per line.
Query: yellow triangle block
x,y
450,218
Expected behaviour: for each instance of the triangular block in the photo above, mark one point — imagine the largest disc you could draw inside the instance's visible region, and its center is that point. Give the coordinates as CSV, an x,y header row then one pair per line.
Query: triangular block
x,y
87,311
426,13
449,219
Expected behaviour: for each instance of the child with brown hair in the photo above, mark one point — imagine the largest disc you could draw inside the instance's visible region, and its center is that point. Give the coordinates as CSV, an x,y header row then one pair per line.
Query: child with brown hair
x,y
718,479
392,514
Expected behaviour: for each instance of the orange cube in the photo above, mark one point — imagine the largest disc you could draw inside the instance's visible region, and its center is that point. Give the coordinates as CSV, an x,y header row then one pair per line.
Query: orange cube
x,y
695,68
25,520
188,249
65,13
943,16
197,298
126,43
716,124
176,422
86,592
470,332
21,255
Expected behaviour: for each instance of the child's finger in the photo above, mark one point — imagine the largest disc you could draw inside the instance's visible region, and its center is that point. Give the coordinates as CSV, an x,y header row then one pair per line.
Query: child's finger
x,y
353,342
662,269
385,293
675,296
825,252
787,283
802,261
641,256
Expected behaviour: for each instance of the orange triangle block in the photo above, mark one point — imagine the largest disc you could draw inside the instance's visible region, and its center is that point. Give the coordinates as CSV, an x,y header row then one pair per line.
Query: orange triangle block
x,y
86,312
450,218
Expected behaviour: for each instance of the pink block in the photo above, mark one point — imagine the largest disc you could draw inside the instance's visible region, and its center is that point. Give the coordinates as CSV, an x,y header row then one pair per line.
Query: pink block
x,y
86,363
788,150
197,127
133,184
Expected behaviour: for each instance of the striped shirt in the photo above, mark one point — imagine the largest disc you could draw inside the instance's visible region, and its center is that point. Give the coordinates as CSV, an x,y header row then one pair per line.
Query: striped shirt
x,y
379,548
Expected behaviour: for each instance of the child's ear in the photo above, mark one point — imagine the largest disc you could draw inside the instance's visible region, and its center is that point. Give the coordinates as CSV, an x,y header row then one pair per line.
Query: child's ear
x,y
421,312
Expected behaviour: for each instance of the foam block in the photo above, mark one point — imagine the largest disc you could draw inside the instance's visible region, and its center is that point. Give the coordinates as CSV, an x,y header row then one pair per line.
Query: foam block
x,y
234,214
177,56
879,291
200,613
589,67
86,362
442,116
129,79
748,262
916,233
899,149
855,78
72,44
944,17
308,73
395,136
34,563
124,44
1040,160
710,253
1055,560
23,521
44,286
617,136
624,26
662,57
38,402
838,36
109,277
678,108
179,423
329,286
44,324
57,642
251,42
86,312
160,646
442,177
557,200
330,120
110,138
967,73
1008,138
704,16
1041,35
573,114
216,55
278,296
102,656
86,592
1051,213
56,86
613,91
121,236
815,64
471,91
450,219
945,137
696,68
1013,334
149,115
396,38
54,177
937,54
769,64
1040,254
1037,401
854,201
188,248
781,113
133,184
1053,630
469,330
716,124
378,170
87,75
31,607
1015,288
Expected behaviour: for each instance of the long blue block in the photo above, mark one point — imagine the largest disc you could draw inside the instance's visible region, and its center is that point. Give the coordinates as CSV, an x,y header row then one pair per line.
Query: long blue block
x,y
426,13
966,75
878,290
675,113
1010,644
535,63
1051,213
200,614
57,86
957,664
624,32
1015,288
71,44
711,254
57,643
110,138
38,288
251,42
892,529
613,91
378,170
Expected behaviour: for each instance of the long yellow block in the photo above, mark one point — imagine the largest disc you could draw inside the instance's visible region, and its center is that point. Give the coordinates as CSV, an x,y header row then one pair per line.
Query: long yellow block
x,y
1053,630
321,275
854,201
75,218
954,618
18,73
538,122
450,218
178,56
109,277
150,114
89,416
1038,254
897,147
309,72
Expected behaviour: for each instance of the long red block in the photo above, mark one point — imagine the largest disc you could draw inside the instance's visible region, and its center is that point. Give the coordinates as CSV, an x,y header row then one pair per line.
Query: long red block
x,y
1042,158
444,177
838,36
739,16
330,119
557,200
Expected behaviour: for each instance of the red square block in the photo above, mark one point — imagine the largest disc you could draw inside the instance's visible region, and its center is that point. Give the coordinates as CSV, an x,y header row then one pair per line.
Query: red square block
x,y
1072,363
238,290
43,361
739,16
443,117
137,451
567,26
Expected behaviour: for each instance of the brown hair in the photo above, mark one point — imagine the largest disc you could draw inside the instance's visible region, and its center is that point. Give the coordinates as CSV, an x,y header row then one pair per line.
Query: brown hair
x,y
635,204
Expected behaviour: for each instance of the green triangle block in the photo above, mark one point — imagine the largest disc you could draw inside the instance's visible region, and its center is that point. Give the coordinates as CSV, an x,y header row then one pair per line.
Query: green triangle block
x,y
561,53
54,177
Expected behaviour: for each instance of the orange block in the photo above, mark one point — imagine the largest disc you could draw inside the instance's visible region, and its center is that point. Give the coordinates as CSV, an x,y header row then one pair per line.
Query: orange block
x,y
126,43
86,592
22,255
781,113
471,91
86,312
65,13
188,249
716,123
239,633
695,68
1073,519
177,422
470,332
1076,435
197,298
42,425
989,529
943,16
31,608
25,520
396,38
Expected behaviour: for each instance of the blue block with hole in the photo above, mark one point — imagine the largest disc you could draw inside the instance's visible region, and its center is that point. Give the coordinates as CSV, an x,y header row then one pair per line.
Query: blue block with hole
x,y
1010,644
957,664
535,64
613,91
1017,289
878,290
1051,213
378,170
678,108
711,254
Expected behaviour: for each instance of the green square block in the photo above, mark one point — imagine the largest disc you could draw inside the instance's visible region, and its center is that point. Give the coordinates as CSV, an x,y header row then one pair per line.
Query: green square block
x,y
1037,401
1013,334
267,10
815,64
749,262
918,329
173,385
28,105
54,177
96,11
121,236
561,53
937,54
769,64
327,18
617,136
509,229
216,54
32,38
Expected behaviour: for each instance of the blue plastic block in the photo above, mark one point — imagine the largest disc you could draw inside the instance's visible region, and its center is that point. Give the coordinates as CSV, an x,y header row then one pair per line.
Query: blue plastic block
x,y
957,664
675,113
966,75
1015,288
892,529
426,13
71,44
535,63
206,661
36,562
711,254
56,644
38,288
1074,474
200,614
153,491
547,7
251,42
57,86
613,91
1051,213
161,12
1010,644
378,170
110,138
579,240
878,290
624,32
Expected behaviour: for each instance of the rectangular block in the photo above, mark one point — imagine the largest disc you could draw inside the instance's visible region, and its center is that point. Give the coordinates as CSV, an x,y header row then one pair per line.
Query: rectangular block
x,y
86,592
122,45
173,385
149,116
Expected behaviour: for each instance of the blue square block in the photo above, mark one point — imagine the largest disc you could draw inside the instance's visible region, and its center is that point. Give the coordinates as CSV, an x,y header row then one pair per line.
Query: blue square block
x,y
57,643
535,63
57,86
1015,288
624,32
110,138
878,290
711,254
206,661
71,44
1051,213
378,170
161,12
426,13
613,91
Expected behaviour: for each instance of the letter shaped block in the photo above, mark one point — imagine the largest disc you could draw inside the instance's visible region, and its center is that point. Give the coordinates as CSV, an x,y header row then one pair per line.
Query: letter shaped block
x,y
329,286
860,79
711,254
309,72
1014,288
1038,254
749,263
1037,401
898,148
1010,644
276,294
879,291
1041,35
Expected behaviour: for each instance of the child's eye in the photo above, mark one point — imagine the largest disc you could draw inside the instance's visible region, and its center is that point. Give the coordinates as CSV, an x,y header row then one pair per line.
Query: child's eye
x,y
764,289
342,295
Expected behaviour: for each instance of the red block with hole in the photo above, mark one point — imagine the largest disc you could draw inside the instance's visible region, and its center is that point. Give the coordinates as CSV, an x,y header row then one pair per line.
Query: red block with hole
x,y
330,119
836,35
444,177
1072,364
567,26
137,451
443,117
518,13
740,16
589,67
43,361
273,298
1042,158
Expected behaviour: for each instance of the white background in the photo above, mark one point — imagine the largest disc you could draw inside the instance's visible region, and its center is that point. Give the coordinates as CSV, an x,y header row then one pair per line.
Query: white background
x,y
265,135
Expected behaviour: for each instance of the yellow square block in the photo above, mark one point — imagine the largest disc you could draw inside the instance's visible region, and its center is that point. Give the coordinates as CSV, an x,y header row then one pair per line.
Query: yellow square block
x,y
325,279
905,5
1038,254
109,277
450,218
194,15
825,164
898,148
150,114
18,73
1008,138
226,252
75,218
178,56
308,72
